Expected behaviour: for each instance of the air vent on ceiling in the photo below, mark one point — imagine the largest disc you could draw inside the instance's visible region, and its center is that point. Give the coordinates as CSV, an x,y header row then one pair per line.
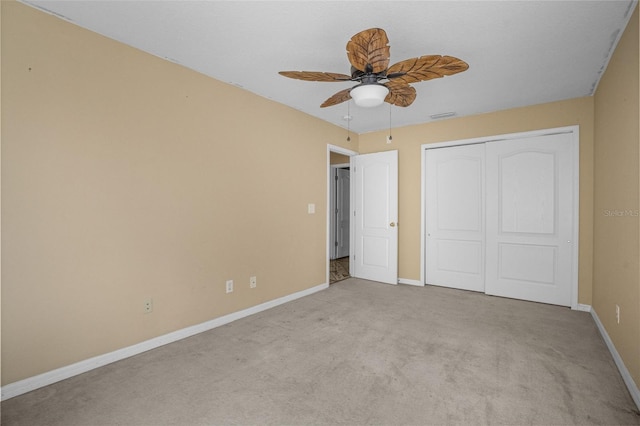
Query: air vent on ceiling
x,y
442,115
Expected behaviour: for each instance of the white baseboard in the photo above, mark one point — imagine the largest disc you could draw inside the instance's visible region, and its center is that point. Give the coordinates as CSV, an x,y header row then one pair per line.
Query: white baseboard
x,y
32,383
584,308
626,376
410,282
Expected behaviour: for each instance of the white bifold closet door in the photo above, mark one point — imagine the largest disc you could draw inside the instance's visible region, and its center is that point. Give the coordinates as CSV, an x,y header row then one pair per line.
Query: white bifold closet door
x,y
530,219
499,218
455,217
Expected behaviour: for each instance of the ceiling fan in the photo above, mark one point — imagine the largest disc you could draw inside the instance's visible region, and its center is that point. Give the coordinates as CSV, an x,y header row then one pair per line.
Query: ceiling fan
x,y
368,53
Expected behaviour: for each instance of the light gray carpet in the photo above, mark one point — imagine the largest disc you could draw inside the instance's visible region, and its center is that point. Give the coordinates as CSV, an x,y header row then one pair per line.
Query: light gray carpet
x,y
358,353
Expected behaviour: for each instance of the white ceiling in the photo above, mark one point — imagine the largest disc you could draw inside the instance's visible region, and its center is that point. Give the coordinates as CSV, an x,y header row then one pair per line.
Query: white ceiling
x,y
519,52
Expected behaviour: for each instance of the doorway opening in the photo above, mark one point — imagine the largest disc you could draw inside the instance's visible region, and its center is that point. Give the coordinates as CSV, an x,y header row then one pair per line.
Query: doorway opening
x,y
339,238
340,210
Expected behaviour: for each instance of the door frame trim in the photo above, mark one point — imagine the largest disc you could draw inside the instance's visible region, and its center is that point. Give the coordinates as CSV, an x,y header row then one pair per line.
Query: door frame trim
x,y
350,153
574,130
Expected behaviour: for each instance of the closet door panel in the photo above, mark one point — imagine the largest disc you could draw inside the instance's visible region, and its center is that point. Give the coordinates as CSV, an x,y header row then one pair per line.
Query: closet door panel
x,y
454,249
530,219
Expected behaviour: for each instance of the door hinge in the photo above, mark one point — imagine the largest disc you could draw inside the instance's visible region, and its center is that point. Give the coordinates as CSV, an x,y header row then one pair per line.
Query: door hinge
x,y
336,244
335,177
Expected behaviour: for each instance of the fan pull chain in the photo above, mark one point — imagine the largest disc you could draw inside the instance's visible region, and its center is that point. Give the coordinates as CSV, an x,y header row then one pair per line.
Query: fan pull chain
x,y
390,138
348,121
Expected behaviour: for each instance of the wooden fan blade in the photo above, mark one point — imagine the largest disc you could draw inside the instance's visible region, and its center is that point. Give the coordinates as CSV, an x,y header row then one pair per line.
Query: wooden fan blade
x,y
400,94
368,51
339,97
315,75
425,68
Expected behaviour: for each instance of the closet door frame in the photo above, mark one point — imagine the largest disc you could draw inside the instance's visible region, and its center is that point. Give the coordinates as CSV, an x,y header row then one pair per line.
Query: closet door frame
x,y
574,131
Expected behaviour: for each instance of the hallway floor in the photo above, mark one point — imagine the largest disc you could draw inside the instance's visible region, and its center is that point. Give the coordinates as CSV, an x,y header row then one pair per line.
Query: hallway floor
x,y
338,269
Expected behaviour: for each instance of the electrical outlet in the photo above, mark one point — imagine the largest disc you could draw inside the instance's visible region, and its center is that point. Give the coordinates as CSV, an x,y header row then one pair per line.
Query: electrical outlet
x,y
618,314
253,282
148,306
229,286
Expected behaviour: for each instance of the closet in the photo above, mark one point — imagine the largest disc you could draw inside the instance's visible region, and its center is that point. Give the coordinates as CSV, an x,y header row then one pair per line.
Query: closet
x,y
500,216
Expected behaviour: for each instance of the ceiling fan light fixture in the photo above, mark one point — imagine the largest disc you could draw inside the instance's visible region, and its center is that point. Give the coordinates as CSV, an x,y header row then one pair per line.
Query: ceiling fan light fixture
x,y
368,52
369,95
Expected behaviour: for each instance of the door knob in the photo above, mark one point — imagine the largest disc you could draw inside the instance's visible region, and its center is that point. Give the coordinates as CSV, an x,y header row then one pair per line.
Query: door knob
x,y
392,224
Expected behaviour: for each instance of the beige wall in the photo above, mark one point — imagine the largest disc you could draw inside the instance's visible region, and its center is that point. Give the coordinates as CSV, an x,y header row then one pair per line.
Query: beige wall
x,y
125,177
616,274
336,158
407,140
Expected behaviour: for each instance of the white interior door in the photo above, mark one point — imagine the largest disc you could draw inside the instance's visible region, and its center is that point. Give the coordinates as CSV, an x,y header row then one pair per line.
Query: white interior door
x,y
343,212
530,211
455,234
376,216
